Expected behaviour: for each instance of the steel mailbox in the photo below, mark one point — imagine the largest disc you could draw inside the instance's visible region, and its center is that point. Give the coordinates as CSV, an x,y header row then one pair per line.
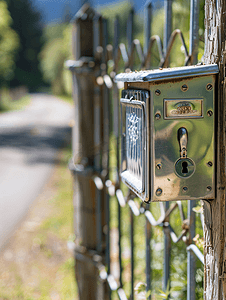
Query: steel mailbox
x,y
168,133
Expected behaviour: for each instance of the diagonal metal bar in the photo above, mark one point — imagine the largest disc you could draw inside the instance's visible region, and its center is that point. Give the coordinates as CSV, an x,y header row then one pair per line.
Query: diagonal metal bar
x,y
196,251
172,207
122,294
152,220
136,46
120,197
112,282
174,237
121,53
108,82
154,39
170,45
133,208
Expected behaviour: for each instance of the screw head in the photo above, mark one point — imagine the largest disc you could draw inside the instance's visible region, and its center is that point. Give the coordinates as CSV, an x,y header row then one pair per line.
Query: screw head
x,y
157,116
209,113
184,87
157,92
159,166
185,189
158,192
209,164
209,188
209,87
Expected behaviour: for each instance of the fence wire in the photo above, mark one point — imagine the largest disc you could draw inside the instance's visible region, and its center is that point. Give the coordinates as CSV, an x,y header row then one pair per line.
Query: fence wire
x,y
123,56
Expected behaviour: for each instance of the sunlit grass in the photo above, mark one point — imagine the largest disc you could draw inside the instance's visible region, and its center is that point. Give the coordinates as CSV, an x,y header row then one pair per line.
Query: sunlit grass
x,y
7,104
66,98
47,271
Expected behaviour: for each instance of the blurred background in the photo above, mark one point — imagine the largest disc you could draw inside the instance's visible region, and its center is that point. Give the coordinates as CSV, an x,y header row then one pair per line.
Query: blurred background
x,y
36,257
35,38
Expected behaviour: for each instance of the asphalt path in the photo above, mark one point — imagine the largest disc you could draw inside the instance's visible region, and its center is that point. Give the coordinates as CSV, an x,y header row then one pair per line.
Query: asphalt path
x,y
29,143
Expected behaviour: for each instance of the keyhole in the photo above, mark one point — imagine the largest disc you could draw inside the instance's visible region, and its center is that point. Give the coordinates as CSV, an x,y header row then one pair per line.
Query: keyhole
x,y
184,167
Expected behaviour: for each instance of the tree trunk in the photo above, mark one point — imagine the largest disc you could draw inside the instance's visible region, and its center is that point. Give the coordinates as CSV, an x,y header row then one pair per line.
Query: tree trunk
x,y
214,211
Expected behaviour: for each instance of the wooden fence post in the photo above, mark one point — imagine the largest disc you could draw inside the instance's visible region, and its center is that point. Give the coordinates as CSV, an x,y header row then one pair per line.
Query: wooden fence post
x,y
89,198
214,211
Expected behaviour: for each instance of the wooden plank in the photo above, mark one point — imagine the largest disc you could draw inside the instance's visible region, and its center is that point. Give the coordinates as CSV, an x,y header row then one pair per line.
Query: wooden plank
x,y
214,212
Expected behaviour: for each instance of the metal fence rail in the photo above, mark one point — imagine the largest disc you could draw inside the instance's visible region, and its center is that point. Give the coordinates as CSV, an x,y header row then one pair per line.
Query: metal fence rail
x,y
95,64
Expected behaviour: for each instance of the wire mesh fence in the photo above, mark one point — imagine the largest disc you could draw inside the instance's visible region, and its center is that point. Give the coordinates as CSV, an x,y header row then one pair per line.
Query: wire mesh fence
x,y
145,250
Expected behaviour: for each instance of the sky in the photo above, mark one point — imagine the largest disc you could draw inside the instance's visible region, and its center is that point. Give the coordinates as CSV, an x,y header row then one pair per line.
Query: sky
x,y
53,10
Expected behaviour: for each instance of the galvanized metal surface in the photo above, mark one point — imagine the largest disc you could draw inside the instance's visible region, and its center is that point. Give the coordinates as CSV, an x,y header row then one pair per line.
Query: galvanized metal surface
x,y
134,142
173,175
168,74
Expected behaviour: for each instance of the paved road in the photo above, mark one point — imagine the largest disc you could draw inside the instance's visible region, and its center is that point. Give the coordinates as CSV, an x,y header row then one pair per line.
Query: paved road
x,y
29,140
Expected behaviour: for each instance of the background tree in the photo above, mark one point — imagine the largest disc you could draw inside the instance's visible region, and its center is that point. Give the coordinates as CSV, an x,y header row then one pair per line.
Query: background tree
x,y
55,52
9,43
121,9
27,24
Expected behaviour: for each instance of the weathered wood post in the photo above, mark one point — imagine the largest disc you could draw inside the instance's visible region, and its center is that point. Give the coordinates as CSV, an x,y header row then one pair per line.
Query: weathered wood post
x,y
214,212
88,199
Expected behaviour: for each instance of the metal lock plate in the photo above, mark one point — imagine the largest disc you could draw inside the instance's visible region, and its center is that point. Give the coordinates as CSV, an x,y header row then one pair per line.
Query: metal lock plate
x,y
134,142
168,134
178,177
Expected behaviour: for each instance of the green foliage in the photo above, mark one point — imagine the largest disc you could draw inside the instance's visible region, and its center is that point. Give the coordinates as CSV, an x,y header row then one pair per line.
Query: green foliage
x,y
27,24
54,53
7,104
120,9
9,43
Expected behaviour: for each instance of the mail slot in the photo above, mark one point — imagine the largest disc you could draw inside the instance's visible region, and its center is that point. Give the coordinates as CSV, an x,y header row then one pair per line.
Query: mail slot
x,y
168,133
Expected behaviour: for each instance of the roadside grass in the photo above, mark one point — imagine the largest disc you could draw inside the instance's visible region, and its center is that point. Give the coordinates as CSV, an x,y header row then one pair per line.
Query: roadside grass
x,y
37,263
7,104
66,98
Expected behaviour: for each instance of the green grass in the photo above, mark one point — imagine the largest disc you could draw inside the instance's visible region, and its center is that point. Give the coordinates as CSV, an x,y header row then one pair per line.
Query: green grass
x,y
7,104
48,272
66,98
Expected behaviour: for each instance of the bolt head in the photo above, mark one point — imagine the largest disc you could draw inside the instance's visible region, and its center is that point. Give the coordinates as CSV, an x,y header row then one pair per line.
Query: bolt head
x,y
157,116
157,92
159,166
209,188
185,189
184,87
209,87
209,164
159,192
209,113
